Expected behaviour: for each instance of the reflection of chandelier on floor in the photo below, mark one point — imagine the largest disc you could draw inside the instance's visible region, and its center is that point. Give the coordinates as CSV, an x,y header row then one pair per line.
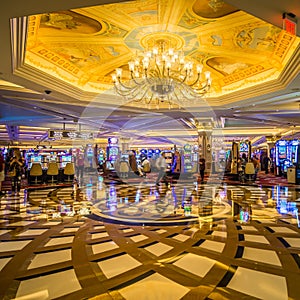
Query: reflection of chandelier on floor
x,y
162,76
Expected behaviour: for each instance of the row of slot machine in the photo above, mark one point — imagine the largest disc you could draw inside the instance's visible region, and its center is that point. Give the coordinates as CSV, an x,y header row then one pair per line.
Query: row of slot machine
x,y
44,158
184,160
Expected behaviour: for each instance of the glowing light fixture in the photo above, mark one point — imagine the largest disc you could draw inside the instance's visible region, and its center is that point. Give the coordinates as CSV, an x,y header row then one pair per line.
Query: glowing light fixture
x,y
162,75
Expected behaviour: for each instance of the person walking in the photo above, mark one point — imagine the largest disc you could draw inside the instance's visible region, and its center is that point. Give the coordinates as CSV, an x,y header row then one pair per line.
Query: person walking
x,y
161,165
16,167
202,168
80,167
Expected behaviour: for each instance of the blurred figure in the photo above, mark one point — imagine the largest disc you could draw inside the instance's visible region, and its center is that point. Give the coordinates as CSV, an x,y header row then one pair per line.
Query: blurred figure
x,y
266,164
241,167
16,167
161,165
256,166
202,168
144,167
80,166
133,163
2,171
123,167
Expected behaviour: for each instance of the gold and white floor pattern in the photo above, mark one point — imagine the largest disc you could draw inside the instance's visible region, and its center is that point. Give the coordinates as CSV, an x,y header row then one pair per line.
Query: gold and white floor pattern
x,y
86,258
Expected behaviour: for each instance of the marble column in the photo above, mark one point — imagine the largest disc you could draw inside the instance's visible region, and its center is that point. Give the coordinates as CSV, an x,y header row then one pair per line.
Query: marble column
x,y
205,144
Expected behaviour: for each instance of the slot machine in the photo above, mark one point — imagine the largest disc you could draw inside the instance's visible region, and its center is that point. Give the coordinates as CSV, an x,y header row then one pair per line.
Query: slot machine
x,y
292,151
101,157
90,155
169,160
280,156
113,152
187,158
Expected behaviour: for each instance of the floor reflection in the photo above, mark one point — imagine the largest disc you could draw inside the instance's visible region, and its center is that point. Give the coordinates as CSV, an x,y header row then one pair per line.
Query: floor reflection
x,y
189,202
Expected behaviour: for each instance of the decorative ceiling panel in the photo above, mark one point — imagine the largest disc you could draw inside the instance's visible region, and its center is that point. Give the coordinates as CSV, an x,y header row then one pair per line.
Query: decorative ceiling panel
x,y
84,46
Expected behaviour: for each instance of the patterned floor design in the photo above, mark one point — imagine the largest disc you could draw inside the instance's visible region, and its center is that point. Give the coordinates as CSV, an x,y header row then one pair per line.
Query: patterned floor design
x,y
51,248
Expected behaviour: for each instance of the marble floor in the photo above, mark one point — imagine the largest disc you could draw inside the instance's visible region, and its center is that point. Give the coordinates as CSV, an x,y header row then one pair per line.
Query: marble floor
x,y
187,241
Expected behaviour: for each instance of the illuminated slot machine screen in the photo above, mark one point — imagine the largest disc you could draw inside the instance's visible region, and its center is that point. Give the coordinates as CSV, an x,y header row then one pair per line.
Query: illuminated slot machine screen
x,y
101,157
187,155
113,153
143,152
281,152
168,157
150,153
244,147
294,149
65,159
52,157
90,152
35,159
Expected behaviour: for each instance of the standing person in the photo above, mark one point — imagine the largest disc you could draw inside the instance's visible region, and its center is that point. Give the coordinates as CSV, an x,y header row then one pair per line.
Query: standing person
x,y
16,166
123,168
161,165
144,167
266,164
242,161
2,173
80,167
202,167
256,166
132,163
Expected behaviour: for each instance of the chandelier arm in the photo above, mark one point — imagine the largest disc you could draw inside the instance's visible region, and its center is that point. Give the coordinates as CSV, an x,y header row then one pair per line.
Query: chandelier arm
x,y
196,80
123,85
135,95
134,79
123,90
189,92
128,93
149,100
177,97
163,70
157,70
198,90
185,77
141,97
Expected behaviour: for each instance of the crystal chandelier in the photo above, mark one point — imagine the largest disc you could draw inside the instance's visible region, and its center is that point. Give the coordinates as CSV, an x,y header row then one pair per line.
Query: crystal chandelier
x,y
162,75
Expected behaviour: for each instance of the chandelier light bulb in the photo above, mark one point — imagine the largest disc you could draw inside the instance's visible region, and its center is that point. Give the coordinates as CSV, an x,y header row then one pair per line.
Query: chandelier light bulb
x,y
119,72
131,66
207,75
199,69
155,51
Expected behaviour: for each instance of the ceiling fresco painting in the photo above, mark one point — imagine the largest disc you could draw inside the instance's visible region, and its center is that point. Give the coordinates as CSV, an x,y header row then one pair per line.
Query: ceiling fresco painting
x,y
84,46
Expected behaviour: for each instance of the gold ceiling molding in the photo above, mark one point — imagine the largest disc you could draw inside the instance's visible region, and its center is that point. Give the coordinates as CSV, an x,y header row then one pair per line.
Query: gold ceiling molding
x,y
81,48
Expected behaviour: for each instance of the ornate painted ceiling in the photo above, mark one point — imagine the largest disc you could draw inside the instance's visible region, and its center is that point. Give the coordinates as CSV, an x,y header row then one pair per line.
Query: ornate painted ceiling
x,y
84,46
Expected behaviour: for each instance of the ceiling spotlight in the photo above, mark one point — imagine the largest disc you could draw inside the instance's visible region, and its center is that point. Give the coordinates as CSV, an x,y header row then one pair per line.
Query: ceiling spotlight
x,y
48,92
